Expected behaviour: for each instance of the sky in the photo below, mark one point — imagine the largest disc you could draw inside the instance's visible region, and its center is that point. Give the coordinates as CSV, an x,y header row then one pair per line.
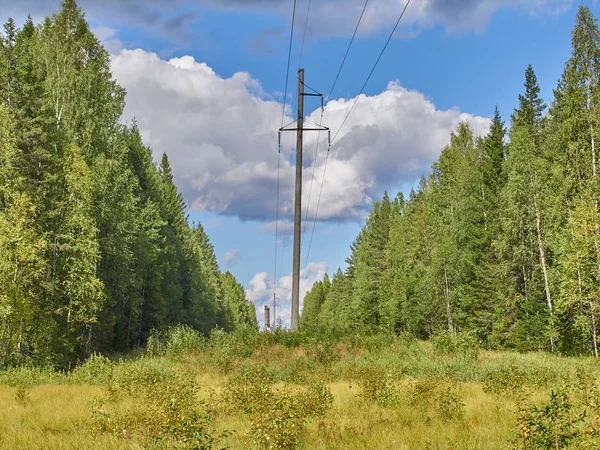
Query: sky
x,y
206,79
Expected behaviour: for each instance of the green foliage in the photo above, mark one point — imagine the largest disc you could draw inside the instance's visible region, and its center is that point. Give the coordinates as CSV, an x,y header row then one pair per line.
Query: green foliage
x,y
377,386
175,341
456,344
563,422
500,240
277,417
161,413
96,370
226,348
96,248
31,376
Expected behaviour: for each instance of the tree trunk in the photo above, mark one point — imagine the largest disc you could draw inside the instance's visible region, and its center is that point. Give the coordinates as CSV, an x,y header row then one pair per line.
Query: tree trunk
x,y
448,306
538,223
544,269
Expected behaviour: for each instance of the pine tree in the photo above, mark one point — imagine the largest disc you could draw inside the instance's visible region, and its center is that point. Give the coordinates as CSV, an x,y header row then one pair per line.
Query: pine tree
x,y
8,69
234,298
523,240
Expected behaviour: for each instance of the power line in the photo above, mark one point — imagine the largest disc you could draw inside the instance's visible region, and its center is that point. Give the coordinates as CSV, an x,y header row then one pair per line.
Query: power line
x,y
325,101
287,73
304,34
348,114
347,51
287,77
372,70
312,234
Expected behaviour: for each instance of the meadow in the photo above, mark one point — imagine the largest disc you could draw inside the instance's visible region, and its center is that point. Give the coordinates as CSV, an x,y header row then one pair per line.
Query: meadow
x,y
287,390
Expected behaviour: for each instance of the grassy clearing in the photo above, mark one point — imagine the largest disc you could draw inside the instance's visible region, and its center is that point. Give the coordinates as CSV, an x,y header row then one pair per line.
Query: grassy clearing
x,y
283,390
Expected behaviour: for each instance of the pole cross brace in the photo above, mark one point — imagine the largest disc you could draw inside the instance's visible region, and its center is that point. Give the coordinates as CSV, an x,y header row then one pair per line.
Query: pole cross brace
x,y
320,128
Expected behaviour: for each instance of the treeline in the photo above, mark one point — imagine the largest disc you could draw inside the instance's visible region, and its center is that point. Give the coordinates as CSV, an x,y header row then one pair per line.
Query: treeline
x,y
95,246
502,239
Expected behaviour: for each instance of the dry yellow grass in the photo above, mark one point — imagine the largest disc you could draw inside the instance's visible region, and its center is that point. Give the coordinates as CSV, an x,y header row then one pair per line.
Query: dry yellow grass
x,y
58,416
51,417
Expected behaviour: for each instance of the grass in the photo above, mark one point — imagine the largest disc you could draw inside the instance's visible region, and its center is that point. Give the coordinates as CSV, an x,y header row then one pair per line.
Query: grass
x,y
277,393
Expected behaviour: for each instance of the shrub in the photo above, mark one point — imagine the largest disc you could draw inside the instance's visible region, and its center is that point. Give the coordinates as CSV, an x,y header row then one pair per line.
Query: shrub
x,y
279,421
96,370
277,418
377,385
513,377
31,376
506,379
175,341
165,414
226,348
449,404
325,352
569,419
440,396
554,425
456,344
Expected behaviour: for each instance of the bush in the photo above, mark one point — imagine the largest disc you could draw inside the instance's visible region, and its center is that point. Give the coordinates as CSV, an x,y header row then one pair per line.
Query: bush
x,y
31,376
277,418
437,395
141,371
96,370
325,352
227,348
175,341
163,414
449,404
513,377
569,419
456,344
377,386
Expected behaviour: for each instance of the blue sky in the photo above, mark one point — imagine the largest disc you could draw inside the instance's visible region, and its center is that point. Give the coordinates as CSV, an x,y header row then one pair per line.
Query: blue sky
x,y
205,80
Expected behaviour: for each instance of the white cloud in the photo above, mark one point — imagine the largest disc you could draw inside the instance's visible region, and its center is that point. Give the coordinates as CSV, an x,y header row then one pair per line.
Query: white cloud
x,y
173,19
261,288
107,37
221,137
231,257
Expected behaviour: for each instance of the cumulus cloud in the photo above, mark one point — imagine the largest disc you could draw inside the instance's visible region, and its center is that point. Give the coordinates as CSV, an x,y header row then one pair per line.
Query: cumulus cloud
x,y
328,17
261,288
231,257
220,135
107,36
155,16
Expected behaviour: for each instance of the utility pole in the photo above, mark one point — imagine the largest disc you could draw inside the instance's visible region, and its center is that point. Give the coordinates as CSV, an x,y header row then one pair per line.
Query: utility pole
x,y
274,313
298,205
267,318
298,194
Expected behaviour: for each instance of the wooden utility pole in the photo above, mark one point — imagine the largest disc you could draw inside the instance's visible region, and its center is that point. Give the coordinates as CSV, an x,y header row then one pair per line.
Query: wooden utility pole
x,y
298,194
298,205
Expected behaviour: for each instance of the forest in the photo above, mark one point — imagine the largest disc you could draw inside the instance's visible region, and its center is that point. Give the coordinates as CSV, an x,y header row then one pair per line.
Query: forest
x,y
95,246
501,240
467,316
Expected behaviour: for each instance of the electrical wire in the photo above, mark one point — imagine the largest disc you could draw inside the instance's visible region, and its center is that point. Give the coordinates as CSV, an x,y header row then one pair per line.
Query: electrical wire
x,y
304,34
362,13
372,70
287,76
346,118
